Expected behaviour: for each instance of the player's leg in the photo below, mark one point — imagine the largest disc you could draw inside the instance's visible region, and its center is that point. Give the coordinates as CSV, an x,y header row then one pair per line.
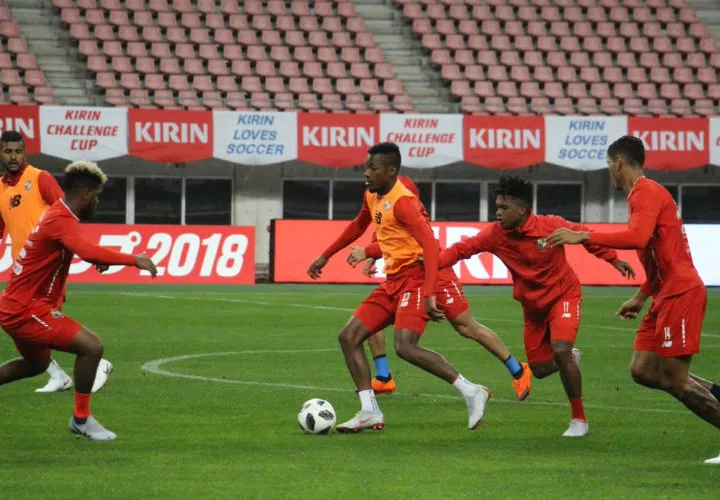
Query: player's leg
x,y
467,326
676,380
373,315
34,361
383,381
564,322
408,348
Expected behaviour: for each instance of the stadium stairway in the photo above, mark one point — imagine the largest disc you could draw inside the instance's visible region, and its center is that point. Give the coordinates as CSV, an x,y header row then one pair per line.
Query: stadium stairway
x,y
410,64
56,56
708,12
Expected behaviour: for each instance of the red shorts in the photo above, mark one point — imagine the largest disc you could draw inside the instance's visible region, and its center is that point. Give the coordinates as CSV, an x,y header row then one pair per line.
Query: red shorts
x,y
36,332
560,322
672,326
399,300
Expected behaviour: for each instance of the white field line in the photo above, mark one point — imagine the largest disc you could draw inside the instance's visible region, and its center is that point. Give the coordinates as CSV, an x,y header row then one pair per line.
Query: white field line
x,y
155,367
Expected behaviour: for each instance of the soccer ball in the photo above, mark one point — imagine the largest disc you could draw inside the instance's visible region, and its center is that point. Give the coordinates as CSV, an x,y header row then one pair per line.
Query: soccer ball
x,y
317,416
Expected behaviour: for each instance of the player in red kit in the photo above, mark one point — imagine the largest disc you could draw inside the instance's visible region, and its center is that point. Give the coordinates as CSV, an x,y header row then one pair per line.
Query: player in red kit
x,y
29,304
543,282
669,334
407,297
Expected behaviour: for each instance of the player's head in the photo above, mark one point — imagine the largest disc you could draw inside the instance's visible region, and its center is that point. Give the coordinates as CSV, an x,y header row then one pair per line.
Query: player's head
x,y
83,184
513,201
382,167
625,158
12,151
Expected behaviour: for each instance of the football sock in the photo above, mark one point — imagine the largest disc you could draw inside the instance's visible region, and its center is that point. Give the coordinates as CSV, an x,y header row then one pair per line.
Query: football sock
x,y
368,401
463,385
82,407
382,369
514,367
715,390
578,411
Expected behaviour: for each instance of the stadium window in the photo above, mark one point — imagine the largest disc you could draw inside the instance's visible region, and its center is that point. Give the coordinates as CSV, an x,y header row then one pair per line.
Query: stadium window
x,y
112,208
305,199
491,209
425,189
674,191
158,200
208,201
457,201
699,204
347,199
564,200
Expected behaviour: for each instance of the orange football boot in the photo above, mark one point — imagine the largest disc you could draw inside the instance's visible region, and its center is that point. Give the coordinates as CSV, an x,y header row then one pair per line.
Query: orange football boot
x,y
381,387
522,384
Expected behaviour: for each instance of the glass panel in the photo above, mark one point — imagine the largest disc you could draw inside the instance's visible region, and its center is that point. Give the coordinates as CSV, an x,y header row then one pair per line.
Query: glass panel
x,y
457,201
158,200
564,200
208,201
306,199
700,204
347,199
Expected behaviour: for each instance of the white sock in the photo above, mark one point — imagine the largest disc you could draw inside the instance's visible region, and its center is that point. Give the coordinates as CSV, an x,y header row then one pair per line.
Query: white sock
x,y
368,401
463,385
55,371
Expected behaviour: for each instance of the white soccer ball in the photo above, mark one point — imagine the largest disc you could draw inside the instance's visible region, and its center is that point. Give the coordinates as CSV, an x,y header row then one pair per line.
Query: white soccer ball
x,y
317,416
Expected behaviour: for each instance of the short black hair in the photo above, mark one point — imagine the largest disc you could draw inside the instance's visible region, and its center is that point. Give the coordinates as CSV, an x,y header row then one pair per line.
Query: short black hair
x,y
11,136
81,175
512,186
390,153
629,147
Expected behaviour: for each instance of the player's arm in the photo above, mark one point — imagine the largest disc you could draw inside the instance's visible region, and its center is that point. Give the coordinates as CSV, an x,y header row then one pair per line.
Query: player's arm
x,y
644,210
49,187
66,232
353,231
481,242
409,212
607,254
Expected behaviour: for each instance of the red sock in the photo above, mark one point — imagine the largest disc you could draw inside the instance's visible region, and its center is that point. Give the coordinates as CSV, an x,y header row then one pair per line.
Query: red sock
x,y
578,412
82,405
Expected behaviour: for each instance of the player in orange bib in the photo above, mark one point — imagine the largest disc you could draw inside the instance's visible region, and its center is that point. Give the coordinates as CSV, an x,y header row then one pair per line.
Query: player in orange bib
x,y
26,193
406,298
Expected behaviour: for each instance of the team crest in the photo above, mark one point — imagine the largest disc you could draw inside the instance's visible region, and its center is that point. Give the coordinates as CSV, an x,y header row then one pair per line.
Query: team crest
x,y
28,185
542,243
386,206
56,314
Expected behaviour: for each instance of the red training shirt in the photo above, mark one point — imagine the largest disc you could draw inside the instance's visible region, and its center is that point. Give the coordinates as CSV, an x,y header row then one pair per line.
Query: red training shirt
x,y
656,231
41,270
541,274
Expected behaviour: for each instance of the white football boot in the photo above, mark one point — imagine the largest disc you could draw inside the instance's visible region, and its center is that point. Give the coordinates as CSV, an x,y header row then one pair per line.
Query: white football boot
x,y
577,355
476,403
714,461
59,380
104,369
91,429
578,428
363,421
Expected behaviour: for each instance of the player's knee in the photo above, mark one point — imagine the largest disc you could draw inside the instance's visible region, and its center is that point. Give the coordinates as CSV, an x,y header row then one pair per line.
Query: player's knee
x,y
38,366
641,375
542,370
465,330
95,348
404,350
350,336
562,352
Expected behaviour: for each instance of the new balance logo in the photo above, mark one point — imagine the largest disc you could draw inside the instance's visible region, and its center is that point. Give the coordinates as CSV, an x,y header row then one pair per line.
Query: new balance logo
x,y
378,218
15,201
566,310
405,300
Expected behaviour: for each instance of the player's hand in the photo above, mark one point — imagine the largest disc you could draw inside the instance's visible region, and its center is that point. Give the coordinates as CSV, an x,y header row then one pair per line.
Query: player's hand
x,y
432,310
142,261
315,269
357,255
625,269
565,236
101,268
631,308
369,268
